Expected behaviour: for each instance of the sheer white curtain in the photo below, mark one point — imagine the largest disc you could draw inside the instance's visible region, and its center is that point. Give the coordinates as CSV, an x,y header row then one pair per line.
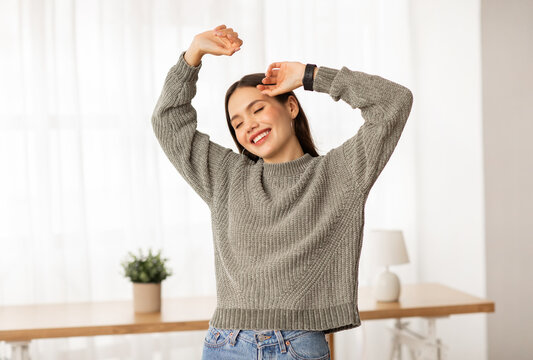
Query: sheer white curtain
x,y
84,180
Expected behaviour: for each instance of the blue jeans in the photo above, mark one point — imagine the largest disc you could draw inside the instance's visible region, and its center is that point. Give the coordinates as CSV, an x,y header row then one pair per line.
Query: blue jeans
x,y
235,344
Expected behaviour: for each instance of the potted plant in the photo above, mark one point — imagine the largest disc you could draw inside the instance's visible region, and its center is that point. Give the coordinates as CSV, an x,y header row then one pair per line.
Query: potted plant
x,y
146,274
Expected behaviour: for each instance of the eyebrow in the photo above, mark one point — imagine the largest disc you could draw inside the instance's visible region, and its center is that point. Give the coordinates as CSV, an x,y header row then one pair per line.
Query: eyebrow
x,y
249,106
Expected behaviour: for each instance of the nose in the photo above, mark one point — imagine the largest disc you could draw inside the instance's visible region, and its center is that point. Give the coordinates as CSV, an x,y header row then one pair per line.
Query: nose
x,y
251,125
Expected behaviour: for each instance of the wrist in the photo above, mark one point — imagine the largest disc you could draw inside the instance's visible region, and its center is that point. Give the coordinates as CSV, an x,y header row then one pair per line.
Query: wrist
x,y
193,56
302,73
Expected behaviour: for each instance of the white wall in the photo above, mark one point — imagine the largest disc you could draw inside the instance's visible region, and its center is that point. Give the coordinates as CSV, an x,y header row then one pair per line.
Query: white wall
x,y
507,43
447,109
448,183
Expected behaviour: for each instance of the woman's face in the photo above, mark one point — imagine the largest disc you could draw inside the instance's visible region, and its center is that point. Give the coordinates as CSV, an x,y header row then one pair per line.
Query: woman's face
x,y
252,112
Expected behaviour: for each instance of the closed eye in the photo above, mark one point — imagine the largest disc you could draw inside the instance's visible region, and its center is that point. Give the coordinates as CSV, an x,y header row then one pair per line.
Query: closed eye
x,y
236,127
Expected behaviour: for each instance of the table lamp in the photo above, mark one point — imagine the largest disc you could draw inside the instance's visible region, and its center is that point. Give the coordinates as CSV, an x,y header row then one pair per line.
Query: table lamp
x,y
388,248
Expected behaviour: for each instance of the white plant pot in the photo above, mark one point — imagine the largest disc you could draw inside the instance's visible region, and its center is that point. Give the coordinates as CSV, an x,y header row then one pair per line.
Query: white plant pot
x,y
146,297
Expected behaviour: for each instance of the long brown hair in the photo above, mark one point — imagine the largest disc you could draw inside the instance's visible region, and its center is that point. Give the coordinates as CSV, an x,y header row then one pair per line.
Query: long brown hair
x,y
301,126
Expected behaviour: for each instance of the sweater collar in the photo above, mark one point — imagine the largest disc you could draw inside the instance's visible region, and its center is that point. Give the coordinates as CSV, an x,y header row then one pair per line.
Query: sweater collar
x,y
293,167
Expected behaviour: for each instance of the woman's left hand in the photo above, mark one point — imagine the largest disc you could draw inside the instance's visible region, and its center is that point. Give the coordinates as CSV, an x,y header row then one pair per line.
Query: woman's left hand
x,y
282,77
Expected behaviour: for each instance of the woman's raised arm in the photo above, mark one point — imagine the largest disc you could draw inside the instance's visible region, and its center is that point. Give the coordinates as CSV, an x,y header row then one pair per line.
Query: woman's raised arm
x,y
201,162
384,104
385,107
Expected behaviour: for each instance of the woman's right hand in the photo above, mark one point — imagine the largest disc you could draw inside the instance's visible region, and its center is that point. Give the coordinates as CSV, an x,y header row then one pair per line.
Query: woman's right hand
x,y
219,41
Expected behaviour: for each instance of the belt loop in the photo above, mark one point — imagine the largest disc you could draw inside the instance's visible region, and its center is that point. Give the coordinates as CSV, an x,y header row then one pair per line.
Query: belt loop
x,y
233,336
281,341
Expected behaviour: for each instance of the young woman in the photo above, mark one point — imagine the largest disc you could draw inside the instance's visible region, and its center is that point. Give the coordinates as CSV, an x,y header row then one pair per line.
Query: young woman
x,y
287,223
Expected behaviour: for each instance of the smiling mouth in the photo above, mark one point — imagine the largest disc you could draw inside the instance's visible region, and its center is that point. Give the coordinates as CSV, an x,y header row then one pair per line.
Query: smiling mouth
x,y
262,140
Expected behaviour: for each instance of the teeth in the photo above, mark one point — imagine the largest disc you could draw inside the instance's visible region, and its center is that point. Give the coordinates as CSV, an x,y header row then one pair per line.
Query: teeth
x,y
260,136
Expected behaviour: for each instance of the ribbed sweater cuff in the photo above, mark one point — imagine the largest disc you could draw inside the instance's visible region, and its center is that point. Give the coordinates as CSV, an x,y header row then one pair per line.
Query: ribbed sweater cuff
x,y
323,79
185,71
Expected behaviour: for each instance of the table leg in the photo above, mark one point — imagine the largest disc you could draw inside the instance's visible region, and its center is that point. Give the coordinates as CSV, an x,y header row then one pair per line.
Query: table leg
x,y
432,337
421,346
20,350
396,348
331,344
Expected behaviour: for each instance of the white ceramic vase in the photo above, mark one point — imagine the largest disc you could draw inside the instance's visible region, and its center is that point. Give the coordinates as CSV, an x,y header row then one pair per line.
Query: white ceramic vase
x,y
387,287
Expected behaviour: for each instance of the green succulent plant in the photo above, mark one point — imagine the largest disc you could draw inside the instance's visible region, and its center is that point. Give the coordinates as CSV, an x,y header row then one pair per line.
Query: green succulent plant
x,y
145,269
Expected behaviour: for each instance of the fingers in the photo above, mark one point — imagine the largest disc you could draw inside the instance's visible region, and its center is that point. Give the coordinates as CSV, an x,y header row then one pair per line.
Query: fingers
x,y
230,42
229,35
272,66
225,50
264,90
267,86
234,38
270,91
269,80
273,75
228,51
224,32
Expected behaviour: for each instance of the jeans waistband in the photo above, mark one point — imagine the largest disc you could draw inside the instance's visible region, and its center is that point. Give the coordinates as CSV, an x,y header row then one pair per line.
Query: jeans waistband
x,y
267,337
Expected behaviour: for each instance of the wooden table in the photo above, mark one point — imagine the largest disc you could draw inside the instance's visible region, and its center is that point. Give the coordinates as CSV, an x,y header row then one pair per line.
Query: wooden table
x,y
20,324
427,300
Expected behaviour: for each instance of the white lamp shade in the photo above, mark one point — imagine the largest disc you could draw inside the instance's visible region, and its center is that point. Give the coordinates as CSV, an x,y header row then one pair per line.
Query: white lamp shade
x,y
388,247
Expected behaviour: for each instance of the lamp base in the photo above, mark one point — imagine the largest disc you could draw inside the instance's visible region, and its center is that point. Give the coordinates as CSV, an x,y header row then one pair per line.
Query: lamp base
x,y
386,287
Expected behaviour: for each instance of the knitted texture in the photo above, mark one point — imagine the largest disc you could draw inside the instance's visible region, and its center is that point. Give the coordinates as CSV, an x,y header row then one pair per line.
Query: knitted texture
x,y
287,237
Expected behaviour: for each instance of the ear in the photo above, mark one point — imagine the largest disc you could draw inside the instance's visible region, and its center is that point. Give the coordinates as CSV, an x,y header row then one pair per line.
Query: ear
x,y
292,106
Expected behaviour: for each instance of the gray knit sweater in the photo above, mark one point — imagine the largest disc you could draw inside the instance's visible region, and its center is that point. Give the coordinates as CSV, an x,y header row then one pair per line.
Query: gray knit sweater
x,y
287,237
